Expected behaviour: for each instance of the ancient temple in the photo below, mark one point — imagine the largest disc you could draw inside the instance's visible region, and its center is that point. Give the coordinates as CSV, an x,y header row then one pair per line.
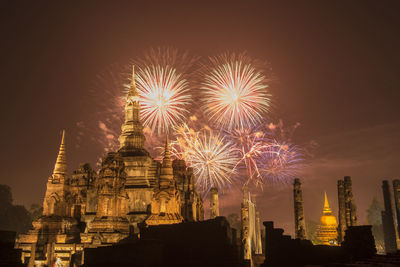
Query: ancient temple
x,y
99,208
327,231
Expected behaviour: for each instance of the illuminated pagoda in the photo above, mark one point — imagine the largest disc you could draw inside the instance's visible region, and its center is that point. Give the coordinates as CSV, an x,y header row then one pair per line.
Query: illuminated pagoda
x,y
327,231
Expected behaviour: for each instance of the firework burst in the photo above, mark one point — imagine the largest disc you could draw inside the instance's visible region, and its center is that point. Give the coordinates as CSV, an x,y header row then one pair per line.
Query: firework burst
x,y
210,155
164,96
235,93
250,144
282,161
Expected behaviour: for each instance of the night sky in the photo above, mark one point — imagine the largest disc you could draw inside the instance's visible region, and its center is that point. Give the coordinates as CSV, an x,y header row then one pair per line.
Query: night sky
x,y
337,64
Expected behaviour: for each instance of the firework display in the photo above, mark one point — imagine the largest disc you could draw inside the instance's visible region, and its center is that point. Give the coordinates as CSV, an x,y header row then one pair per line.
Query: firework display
x,y
210,155
235,93
250,145
164,97
228,105
281,161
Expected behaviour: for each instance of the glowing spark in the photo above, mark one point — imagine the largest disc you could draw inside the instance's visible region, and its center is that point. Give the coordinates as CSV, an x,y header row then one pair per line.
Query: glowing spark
x,y
164,97
235,93
210,155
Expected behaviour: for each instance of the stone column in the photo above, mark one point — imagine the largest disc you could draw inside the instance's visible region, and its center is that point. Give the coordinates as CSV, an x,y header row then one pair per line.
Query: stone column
x,y
342,211
351,210
258,233
389,230
245,233
214,205
299,221
396,195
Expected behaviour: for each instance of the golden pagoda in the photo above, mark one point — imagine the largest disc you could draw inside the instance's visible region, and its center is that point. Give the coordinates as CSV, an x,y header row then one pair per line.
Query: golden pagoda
x,y
327,231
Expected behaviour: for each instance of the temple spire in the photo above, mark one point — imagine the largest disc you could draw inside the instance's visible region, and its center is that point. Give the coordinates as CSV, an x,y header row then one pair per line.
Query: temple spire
x,y
167,172
132,138
132,92
167,155
327,209
60,167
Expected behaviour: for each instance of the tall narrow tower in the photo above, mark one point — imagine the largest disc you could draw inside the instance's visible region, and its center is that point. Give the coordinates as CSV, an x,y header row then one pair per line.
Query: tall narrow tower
x,y
389,229
342,211
54,201
141,170
347,207
131,140
299,221
245,222
214,203
351,210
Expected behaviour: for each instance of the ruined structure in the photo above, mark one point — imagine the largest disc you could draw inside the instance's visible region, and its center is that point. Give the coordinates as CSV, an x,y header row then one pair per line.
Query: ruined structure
x,y
251,244
90,209
396,196
299,221
166,203
388,221
347,207
191,201
351,209
214,203
327,231
342,211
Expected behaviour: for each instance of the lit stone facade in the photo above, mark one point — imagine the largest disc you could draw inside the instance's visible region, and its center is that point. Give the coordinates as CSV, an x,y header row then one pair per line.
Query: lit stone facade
x,y
99,208
327,231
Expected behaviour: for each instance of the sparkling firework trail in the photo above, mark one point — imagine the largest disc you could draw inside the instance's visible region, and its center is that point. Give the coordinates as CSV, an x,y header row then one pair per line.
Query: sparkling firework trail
x,y
235,93
250,145
164,96
210,155
282,161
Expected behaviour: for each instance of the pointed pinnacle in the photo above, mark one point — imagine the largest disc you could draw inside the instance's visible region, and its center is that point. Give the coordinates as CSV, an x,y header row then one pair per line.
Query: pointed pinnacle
x,y
132,89
326,205
166,151
61,162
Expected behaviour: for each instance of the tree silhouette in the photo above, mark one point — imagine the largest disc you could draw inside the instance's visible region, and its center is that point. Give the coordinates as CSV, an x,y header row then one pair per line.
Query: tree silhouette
x,y
13,217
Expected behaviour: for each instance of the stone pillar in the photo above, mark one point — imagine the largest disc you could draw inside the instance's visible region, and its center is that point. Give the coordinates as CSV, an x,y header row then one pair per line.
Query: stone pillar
x,y
396,195
342,211
258,233
389,229
214,205
245,233
351,210
299,221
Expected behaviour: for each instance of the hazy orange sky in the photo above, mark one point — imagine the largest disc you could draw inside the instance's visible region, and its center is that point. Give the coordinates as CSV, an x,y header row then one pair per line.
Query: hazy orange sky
x,y
337,63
